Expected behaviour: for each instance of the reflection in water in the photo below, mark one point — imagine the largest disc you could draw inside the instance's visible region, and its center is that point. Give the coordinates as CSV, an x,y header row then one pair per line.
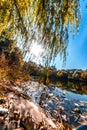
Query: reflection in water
x,y
78,88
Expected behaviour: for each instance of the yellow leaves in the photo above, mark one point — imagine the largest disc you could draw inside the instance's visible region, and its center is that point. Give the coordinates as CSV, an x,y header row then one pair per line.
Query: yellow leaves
x,y
4,16
84,75
29,18
23,6
4,23
36,10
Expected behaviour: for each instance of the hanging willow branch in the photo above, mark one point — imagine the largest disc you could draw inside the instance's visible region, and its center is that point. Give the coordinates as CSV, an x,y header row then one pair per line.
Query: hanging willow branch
x,y
48,22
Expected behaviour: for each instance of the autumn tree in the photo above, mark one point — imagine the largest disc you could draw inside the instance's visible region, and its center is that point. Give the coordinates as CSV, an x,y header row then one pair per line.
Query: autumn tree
x,y
46,21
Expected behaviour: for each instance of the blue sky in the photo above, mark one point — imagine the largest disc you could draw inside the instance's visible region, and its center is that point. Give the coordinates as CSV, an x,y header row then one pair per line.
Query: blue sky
x,y
77,47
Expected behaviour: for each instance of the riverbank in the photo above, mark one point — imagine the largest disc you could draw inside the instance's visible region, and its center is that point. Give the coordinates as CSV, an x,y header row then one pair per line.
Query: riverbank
x,y
19,112
63,105
30,105
50,74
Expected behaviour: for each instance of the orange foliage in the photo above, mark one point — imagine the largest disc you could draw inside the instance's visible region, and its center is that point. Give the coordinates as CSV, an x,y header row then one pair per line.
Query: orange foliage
x,y
84,75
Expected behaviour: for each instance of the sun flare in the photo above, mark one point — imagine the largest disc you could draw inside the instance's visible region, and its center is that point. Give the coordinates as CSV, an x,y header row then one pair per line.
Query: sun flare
x,y
36,49
35,52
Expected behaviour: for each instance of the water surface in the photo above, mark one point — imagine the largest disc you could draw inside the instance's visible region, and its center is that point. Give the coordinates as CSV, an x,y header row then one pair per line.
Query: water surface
x,y
66,101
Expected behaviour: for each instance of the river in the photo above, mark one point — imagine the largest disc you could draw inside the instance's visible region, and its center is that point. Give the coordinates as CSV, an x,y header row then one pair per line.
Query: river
x,y
66,102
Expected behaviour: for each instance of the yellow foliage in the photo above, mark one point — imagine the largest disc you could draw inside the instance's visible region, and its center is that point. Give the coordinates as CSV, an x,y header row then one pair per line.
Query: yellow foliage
x,y
42,20
84,75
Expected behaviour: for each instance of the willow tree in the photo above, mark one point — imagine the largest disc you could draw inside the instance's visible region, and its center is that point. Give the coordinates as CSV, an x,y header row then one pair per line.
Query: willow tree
x,y
46,21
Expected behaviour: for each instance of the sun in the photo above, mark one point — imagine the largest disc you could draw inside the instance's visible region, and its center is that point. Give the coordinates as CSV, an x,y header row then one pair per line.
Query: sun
x,y
36,49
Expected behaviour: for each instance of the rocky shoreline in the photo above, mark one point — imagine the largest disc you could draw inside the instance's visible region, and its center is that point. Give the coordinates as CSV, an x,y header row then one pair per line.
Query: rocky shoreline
x,y
61,104
19,112
33,106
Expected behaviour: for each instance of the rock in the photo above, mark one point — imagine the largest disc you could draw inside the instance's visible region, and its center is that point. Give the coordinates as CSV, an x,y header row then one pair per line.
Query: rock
x,y
81,104
2,101
50,101
3,126
65,93
82,116
50,94
77,110
1,119
3,111
43,96
29,113
84,102
64,117
60,108
77,105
